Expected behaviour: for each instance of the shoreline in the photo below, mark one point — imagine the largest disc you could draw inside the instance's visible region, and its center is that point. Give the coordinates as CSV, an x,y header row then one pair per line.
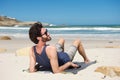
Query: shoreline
x,y
88,43
71,36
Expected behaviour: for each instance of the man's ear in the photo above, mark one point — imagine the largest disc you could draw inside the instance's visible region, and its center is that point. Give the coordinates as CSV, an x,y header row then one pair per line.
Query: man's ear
x,y
38,38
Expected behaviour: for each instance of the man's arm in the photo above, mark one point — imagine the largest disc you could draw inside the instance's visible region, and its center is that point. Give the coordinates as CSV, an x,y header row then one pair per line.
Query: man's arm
x,y
32,61
52,54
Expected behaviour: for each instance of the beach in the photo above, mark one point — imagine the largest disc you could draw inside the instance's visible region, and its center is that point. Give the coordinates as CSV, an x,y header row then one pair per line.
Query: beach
x,y
13,64
96,23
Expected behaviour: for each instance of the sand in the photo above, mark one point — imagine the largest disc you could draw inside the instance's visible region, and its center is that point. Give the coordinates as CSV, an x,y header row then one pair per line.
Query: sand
x,y
14,60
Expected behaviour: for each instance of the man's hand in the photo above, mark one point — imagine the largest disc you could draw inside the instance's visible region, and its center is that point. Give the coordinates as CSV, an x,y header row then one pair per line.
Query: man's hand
x,y
74,65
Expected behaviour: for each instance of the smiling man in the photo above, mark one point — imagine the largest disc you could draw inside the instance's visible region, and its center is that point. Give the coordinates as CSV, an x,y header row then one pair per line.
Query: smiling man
x,y
49,57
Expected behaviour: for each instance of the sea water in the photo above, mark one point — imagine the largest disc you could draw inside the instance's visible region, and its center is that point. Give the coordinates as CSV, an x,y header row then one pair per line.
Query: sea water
x,y
86,31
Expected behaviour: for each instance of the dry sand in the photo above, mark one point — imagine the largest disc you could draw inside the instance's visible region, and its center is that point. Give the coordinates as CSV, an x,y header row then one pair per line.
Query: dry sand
x,y
12,64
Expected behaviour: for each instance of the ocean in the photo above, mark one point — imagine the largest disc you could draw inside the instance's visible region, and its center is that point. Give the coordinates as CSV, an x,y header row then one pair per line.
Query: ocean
x,y
84,31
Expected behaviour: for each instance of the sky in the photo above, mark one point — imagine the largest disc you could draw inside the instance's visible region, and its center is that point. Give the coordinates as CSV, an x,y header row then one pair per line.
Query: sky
x,y
69,12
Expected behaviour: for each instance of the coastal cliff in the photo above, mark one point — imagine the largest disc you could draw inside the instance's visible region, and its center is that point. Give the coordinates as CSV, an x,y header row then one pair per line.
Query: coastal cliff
x,y
8,21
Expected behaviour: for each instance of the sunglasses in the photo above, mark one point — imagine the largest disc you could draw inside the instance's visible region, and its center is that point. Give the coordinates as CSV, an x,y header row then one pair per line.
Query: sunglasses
x,y
45,33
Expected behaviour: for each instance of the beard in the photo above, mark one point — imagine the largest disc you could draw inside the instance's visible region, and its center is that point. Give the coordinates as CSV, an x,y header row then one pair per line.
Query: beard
x,y
46,39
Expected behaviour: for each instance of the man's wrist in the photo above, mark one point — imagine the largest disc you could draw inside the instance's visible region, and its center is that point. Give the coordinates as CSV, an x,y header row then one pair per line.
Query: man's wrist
x,y
69,63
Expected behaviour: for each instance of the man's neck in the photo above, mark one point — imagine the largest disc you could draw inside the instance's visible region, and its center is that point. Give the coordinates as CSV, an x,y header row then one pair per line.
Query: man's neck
x,y
41,44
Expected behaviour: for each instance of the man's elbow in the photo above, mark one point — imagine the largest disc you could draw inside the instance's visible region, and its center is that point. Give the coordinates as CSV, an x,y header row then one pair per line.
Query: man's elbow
x,y
57,71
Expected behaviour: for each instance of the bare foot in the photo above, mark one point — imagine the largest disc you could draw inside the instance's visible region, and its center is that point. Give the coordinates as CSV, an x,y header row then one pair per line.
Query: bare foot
x,y
87,61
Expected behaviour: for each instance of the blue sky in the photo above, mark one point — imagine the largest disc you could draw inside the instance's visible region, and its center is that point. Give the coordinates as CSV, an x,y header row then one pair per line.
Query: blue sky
x,y
72,12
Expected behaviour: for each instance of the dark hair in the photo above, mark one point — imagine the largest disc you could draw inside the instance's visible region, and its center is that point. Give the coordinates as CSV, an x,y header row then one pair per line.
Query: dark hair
x,y
35,31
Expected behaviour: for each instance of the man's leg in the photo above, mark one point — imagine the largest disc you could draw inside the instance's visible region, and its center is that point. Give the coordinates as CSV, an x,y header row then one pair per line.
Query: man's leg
x,y
81,50
60,45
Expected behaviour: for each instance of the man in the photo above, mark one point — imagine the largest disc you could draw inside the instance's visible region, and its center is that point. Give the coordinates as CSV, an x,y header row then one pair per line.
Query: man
x,y
52,57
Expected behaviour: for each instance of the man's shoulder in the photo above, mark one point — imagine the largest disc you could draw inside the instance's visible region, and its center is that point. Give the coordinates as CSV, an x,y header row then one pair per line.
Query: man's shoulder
x,y
50,47
31,52
51,51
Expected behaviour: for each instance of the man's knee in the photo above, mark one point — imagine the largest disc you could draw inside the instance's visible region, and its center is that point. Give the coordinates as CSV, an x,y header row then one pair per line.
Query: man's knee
x,y
77,42
61,41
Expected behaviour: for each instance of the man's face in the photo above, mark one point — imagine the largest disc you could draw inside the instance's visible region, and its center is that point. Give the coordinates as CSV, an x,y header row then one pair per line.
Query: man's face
x,y
45,35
